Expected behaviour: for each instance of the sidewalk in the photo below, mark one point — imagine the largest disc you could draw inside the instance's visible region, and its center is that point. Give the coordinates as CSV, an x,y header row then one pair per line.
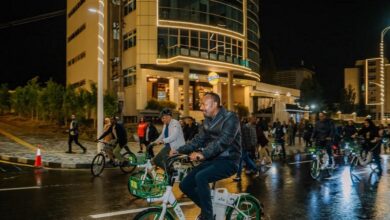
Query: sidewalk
x,y
19,145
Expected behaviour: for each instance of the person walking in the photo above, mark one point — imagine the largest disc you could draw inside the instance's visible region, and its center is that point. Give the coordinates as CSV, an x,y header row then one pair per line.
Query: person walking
x,y
74,135
249,144
141,130
151,135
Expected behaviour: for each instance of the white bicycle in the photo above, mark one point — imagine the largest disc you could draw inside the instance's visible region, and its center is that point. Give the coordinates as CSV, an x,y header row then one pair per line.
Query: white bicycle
x,y
226,205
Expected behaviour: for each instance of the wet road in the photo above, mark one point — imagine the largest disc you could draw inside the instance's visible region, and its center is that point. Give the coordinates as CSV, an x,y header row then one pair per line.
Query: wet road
x,y
286,190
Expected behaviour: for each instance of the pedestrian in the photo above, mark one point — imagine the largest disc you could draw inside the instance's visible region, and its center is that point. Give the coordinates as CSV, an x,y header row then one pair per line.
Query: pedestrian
x,y
372,143
142,125
151,135
74,135
249,144
190,129
262,141
307,132
301,128
290,133
171,136
279,134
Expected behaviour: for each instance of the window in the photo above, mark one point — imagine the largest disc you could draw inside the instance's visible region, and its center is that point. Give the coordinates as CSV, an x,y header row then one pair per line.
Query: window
x,y
129,6
74,9
76,58
129,76
129,39
77,32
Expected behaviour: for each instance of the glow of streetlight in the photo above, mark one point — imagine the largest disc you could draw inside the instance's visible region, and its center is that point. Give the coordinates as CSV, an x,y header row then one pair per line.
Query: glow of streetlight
x,y
313,106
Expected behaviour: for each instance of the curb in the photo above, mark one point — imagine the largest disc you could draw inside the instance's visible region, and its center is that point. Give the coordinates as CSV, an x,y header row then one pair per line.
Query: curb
x,y
46,164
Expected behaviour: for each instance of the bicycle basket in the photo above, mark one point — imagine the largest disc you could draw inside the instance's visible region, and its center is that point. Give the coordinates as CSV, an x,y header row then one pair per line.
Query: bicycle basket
x,y
148,188
138,160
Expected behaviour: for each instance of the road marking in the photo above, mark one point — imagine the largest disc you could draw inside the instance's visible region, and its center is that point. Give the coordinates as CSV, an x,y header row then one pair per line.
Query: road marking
x,y
304,161
130,211
18,140
20,188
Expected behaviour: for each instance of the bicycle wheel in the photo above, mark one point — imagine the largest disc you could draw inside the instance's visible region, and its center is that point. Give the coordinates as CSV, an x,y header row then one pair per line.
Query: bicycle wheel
x,y
248,207
128,166
98,164
152,214
315,169
139,175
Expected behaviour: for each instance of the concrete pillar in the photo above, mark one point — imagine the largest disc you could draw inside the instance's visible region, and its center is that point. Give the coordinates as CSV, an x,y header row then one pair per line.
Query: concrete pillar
x,y
142,90
248,100
230,91
186,89
218,89
173,94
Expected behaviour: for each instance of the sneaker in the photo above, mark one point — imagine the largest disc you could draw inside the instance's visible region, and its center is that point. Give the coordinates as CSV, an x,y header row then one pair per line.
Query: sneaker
x,y
84,150
237,179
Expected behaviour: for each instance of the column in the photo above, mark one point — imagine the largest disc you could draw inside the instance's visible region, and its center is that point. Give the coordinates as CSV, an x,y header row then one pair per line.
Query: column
x,y
186,88
248,100
173,94
230,91
218,89
142,89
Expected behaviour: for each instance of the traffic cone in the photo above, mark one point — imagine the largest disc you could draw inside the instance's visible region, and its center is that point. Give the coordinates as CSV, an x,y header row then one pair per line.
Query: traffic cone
x,y
38,158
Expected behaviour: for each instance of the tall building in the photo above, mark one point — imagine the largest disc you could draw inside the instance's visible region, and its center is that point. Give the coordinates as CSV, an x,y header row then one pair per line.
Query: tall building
x,y
292,78
364,78
174,50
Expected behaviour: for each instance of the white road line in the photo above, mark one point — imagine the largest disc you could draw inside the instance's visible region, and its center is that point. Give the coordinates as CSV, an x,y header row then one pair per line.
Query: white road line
x,y
130,211
20,188
304,161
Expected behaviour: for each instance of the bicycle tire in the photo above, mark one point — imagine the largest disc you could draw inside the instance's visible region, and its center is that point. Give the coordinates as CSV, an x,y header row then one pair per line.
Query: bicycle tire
x,y
138,174
248,205
128,167
315,171
153,213
98,164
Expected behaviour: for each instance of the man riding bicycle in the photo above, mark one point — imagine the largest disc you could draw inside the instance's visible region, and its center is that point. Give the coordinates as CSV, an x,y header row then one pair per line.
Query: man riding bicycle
x,y
118,132
323,134
218,145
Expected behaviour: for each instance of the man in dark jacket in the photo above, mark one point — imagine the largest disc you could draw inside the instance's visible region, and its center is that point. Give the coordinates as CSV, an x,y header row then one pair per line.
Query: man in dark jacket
x,y
190,129
324,134
74,135
220,144
118,132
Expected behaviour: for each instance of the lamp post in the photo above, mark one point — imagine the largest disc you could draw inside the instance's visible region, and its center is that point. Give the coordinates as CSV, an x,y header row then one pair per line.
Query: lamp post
x,y
382,72
100,59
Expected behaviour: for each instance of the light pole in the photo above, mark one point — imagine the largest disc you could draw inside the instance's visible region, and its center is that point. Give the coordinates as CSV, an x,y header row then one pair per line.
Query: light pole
x,y
100,59
382,72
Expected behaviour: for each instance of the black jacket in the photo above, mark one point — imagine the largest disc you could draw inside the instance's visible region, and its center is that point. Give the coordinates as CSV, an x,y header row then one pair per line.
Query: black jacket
x,y
190,131
75,128
118,131
220,137
324,129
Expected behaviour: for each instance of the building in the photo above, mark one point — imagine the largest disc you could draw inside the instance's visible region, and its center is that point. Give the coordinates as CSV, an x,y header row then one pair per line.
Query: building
x,y
292,78
364,78
174,50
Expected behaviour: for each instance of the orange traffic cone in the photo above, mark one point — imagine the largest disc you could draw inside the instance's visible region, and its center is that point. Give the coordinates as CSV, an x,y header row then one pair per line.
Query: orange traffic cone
x,y
38,158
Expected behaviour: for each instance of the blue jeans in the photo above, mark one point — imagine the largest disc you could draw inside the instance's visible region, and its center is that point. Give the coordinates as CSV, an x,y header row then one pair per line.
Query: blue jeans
x,y
196,184
248,161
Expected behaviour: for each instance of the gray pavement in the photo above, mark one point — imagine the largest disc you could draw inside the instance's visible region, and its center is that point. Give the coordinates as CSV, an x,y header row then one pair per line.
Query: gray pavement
x,y
19,146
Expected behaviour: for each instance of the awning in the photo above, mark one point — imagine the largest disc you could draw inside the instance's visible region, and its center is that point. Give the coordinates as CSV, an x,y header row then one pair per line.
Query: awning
x,y
292,108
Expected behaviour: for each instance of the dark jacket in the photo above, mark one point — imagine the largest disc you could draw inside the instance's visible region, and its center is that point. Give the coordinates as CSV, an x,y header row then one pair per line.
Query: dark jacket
x,y
220,137
308,131
261,138
324,129
249,137
75,128
190,131
119,133
349,130
369,134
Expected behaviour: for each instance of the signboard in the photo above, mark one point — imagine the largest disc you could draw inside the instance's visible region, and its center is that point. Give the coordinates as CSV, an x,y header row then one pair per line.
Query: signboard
x,y
213,78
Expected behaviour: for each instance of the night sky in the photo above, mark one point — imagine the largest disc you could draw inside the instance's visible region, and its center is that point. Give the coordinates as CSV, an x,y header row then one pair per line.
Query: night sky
x,y
328,35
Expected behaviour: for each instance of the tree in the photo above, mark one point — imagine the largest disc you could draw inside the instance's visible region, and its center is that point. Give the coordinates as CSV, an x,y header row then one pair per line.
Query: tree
x,y
91,101
347,102
69,105
110,104
5,99
18,100
53,96
31,92
311,92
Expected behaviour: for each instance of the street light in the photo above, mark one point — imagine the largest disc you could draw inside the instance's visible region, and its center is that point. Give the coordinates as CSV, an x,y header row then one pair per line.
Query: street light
x,y
100,60
382,72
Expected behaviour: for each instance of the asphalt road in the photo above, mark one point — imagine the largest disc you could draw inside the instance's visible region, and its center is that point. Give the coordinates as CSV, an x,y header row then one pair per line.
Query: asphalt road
x,y
286,190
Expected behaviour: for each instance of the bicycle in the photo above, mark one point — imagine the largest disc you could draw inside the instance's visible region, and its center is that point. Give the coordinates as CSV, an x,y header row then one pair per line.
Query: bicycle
x,y
361,159
225,205
139,182
99,161
320,162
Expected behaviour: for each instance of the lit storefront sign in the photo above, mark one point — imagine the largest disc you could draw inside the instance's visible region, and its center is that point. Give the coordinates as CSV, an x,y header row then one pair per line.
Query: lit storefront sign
x,y
213,78
194,76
